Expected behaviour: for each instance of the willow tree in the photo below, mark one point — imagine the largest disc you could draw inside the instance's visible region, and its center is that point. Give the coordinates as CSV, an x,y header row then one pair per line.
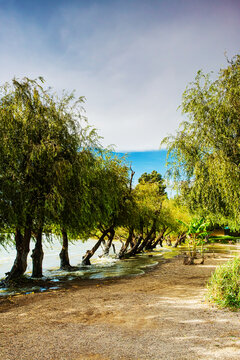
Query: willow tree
x,y
110,189
204,155
75,218
144,214
40,137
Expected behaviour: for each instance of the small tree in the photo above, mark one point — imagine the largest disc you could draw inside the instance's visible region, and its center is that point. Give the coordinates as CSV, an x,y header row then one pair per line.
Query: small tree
x,y
196,234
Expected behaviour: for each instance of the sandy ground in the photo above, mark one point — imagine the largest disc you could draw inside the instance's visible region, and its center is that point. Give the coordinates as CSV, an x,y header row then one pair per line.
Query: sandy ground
x,y
159,315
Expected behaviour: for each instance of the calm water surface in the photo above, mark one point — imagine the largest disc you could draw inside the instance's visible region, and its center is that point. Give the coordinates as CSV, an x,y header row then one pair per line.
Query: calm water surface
x,y
101,268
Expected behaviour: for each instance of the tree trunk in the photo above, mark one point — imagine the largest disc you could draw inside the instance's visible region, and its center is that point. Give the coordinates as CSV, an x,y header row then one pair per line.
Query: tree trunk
x,y
132,241
179,240
158,240
125,246
149,245
168,241
147,238
86,258
37,256
22,246
64,258
109,243
133,250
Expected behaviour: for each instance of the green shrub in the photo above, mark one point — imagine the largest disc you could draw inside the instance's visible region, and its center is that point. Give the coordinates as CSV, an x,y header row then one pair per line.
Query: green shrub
x,y
224,285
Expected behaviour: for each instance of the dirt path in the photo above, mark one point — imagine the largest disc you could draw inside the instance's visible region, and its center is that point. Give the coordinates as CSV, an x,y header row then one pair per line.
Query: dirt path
x,y
159,315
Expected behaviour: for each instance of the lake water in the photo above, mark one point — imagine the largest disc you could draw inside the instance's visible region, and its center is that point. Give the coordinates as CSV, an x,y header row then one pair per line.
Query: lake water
x,y
101,268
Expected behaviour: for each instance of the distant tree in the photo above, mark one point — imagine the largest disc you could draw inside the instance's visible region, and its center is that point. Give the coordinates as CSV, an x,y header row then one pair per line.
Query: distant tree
x,y
205,152
153,177
144,214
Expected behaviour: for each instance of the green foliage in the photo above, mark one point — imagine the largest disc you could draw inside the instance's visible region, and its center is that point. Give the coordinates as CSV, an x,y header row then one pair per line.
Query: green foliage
x,y
225,239
173,217
45,155
205,152
224,285
109,186
197,233
154,177
148,205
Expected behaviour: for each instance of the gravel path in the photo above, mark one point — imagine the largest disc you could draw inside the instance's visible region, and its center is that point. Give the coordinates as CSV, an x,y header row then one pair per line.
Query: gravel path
x,y
159,315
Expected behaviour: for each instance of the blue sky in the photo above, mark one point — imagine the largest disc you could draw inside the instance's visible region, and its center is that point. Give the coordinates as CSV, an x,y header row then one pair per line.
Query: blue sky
x,y
131,59
146,161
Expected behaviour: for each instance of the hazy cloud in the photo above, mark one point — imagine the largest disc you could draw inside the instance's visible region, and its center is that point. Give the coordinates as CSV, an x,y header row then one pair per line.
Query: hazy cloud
x,y
131,59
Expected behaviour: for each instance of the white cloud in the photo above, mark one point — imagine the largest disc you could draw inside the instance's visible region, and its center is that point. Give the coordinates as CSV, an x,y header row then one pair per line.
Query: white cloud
x,y
131,62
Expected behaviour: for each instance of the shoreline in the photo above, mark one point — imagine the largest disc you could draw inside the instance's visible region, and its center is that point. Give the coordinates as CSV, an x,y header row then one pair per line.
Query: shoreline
x,y
156,315
6,300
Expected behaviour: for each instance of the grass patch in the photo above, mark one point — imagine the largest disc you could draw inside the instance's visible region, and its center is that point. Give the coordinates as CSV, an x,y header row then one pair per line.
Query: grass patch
x,y
224,239
224,285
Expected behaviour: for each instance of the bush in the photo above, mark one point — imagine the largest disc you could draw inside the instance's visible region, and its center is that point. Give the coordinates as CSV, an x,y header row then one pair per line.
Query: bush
x,y
224,285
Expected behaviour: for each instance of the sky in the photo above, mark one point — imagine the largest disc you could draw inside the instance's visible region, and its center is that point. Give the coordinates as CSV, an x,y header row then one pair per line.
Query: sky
x,y
131,59
146,161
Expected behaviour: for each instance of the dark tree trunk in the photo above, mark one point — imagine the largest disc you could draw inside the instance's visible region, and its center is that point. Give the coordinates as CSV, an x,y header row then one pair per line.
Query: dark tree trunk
x,y
125,246
147,238
149,245
64,257
86,258
132,241
109,243
22,246
134,250
37,256
114,248
179,240
159,240
168,241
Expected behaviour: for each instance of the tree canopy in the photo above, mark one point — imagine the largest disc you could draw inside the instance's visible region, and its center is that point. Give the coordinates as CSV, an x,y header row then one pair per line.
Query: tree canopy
x,y
153,177
42,137
204,155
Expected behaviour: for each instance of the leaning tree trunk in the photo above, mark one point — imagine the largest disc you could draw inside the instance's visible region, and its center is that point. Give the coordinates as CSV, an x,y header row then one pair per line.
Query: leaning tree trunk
x,y
149,245
64,258
86,258
125,246
147,238
159,240
179,240
22,246
109,243
168,241
37,256
134,250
